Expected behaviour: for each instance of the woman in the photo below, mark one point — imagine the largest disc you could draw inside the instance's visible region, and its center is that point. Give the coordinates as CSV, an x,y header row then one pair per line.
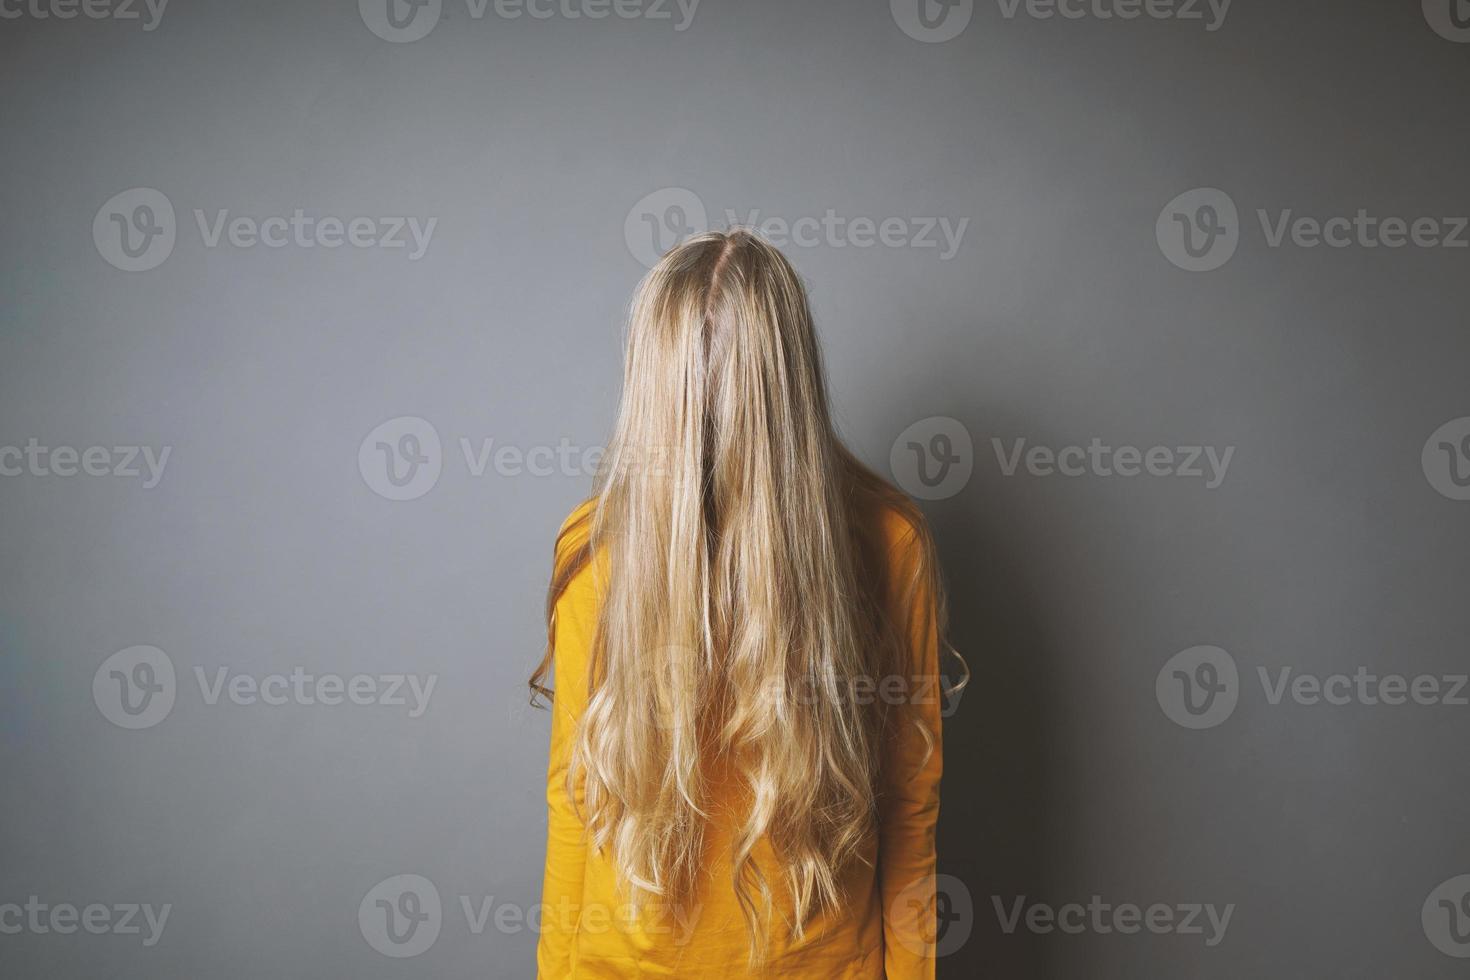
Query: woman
x,y
744,625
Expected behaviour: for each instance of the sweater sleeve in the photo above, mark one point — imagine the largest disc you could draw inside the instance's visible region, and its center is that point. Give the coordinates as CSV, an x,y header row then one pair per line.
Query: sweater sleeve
x,y
561,891
909,805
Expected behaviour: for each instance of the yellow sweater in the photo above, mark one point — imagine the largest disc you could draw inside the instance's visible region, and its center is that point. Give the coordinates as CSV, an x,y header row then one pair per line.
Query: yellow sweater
x,y
886,929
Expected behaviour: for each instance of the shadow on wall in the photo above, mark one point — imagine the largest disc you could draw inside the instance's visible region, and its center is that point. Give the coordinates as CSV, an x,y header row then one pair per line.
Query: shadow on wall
x,y
995,808
993,805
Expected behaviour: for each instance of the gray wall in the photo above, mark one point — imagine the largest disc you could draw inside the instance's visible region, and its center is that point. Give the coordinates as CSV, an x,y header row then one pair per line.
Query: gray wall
x,y
1126,742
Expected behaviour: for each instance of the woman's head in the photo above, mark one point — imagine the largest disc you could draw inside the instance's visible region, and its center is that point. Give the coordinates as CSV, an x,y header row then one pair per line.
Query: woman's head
x,y
742,591
723,376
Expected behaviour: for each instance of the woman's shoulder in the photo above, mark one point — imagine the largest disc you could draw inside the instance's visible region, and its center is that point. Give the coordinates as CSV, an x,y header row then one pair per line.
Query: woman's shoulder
x,y
572,577
575,532
894,521
900,525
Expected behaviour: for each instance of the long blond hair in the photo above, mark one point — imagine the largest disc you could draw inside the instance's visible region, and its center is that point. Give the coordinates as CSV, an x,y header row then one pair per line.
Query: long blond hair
x,y
742,577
